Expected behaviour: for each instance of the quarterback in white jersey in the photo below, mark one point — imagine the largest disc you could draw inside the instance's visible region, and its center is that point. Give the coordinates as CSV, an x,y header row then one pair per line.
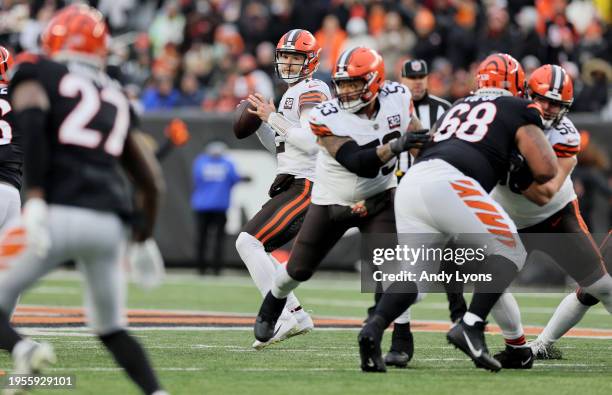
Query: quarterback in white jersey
x,y
361,133
286,134
551,208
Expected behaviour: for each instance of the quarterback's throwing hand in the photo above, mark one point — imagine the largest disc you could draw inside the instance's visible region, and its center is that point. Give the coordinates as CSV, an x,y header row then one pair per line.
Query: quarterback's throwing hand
x,y
263,108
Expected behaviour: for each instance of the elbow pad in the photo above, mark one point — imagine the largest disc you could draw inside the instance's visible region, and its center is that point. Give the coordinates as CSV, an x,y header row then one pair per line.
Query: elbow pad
x,y
362,161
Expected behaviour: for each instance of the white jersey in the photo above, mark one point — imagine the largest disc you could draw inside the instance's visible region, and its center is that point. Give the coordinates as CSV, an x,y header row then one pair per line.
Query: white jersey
x,y
293,159
565,140
337,185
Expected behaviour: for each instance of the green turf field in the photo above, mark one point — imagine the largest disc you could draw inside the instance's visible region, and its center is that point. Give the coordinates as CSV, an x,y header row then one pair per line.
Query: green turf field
x,y
206,361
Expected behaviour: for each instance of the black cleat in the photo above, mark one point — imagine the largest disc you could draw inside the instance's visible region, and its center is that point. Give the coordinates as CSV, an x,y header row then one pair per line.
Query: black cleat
x,y
271,308
515,358
471,340
399,359
369,350
402,346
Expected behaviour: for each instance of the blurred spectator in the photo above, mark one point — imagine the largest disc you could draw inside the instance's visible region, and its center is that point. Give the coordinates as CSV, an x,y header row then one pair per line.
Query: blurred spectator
x,y
531,43
592,95
167,27
394,40
498,35
191,95
254,23
358,36
462,36
251,80
265,54
160,96
214,175
28,39
116,13
589,176
429,43
331,38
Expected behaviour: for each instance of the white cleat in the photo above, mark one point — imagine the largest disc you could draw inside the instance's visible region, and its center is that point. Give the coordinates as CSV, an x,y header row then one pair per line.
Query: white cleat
x,y
543,350
305,323
286,326
30,358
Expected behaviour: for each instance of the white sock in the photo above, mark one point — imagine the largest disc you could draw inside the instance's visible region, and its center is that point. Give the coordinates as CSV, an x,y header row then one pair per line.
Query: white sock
x,y
602,290
567,315
284,284
508,316
471,318
262,266
404,318
22,347
292,301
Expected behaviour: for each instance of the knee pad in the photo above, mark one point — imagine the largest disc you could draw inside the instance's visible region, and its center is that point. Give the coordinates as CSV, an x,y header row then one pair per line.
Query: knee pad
x,y
586,298
602,290
245,242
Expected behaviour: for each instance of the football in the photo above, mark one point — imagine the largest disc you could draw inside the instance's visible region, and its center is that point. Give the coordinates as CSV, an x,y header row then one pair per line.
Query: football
x,y
245,123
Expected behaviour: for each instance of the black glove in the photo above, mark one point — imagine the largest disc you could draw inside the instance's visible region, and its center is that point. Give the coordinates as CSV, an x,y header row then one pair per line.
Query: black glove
x,y
519,176
409,140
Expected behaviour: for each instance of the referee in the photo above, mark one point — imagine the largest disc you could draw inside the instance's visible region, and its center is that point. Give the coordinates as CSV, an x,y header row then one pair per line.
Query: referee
x,y
429,108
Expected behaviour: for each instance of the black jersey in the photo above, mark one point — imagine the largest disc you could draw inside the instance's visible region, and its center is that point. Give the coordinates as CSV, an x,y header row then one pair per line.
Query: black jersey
x,y
11,152
85,131
477,135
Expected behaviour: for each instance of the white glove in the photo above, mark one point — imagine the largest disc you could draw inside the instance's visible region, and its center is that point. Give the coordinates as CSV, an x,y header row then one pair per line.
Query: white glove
x,y
35,221
146,264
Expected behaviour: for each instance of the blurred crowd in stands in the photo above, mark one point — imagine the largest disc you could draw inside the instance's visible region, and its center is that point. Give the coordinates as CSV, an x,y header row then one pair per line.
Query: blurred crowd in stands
x,y
210,54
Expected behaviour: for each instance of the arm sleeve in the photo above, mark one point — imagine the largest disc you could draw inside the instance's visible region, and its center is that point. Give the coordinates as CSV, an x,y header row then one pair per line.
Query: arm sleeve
x,y
362,161
302,136
31,122
266,136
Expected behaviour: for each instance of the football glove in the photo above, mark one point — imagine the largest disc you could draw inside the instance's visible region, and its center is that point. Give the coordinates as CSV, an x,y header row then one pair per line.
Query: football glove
x,y
146,264
519,175
36,224
409,140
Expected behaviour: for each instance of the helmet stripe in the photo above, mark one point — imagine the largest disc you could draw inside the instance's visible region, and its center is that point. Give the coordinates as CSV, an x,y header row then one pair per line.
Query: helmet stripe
x,y
344,58
292,36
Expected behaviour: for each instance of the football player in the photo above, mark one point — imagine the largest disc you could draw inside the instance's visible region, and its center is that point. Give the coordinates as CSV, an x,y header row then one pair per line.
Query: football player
x,y
361,132
551,207
11,157
445,194
286,134
78,128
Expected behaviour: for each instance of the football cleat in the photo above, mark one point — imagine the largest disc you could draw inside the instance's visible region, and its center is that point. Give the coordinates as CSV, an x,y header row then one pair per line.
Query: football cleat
x,y
471,340
269,312
286,327
399,359
305,323
542,350
369,350
515,358
30,358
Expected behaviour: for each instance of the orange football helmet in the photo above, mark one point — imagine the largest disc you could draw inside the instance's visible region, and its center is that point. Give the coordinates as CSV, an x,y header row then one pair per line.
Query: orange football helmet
x,y
77,29
298,41
6,61
501,71
552,83
359,63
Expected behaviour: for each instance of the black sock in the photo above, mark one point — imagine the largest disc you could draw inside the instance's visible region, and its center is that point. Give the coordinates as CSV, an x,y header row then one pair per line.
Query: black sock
x,y
271,306
8,336
402,340
130,355
456,305
503,271
396,299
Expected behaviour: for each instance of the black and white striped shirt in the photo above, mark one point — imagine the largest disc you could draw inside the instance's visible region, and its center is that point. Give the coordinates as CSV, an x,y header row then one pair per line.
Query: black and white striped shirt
x,y
429,109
